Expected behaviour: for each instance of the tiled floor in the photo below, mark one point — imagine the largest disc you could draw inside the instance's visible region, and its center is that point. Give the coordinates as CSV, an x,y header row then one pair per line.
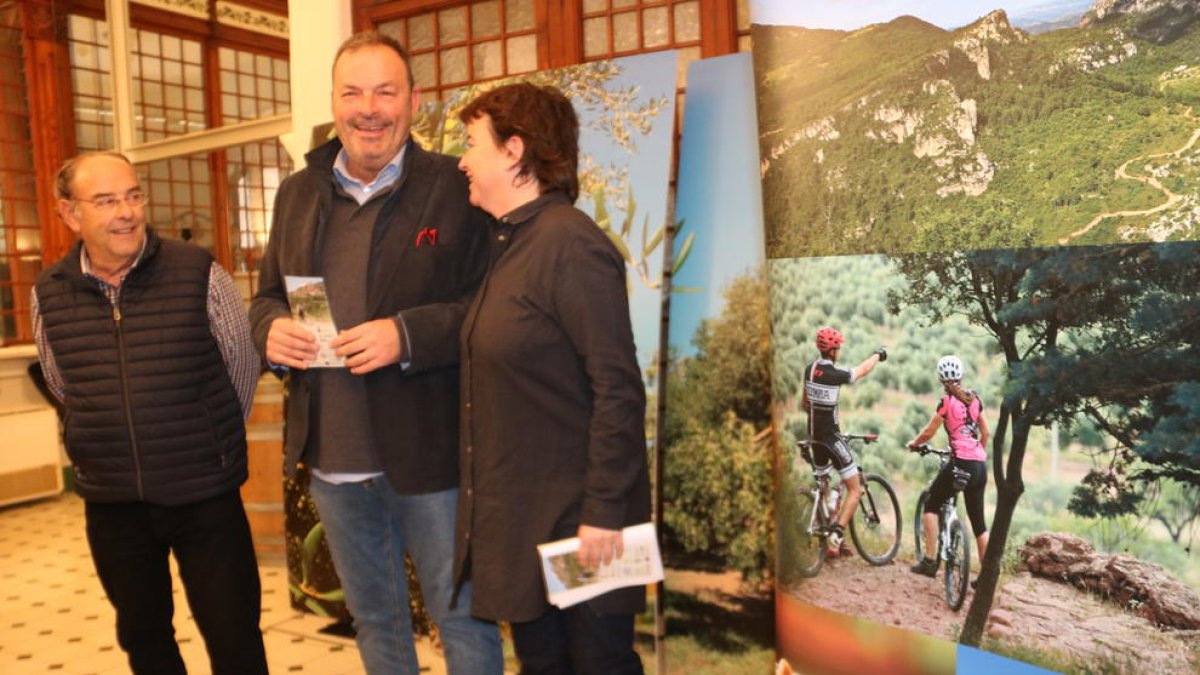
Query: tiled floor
x,y
54,616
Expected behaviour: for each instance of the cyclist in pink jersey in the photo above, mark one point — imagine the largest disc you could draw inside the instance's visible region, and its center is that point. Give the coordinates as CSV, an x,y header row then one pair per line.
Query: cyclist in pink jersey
x,y
961,413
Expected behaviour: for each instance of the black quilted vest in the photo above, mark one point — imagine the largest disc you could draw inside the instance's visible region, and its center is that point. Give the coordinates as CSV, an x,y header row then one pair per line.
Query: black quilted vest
x,y
151,414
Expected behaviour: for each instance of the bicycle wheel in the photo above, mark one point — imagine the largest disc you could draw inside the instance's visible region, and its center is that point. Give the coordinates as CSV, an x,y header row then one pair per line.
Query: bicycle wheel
x,y
876,525
810,547
958,566
919,528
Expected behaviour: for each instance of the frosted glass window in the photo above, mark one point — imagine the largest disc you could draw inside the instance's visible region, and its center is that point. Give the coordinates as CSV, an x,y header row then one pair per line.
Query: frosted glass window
x,y
452,25
454,65
655,27
519,15
595,36
485,19
487,60
687,21
625,32
424,70
420,32
522,54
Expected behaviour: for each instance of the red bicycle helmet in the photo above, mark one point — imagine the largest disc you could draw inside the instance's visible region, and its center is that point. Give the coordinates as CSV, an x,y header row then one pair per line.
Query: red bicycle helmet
x,y
828,338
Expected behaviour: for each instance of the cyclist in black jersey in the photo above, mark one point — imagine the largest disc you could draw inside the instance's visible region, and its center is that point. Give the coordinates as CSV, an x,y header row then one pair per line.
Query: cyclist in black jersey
x,y
823,379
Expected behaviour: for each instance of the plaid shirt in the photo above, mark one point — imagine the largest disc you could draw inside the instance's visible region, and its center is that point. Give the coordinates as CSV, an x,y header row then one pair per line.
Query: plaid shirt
x,y
227,320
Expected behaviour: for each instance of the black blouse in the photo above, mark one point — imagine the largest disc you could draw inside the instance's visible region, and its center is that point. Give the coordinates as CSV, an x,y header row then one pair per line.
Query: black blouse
x,y
553,406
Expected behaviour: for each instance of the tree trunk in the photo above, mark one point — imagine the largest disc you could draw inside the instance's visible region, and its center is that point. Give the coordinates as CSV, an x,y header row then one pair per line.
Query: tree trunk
x,y
1008,493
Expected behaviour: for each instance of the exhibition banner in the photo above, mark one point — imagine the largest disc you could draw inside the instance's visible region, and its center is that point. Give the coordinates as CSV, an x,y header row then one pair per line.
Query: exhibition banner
x,y
1015,184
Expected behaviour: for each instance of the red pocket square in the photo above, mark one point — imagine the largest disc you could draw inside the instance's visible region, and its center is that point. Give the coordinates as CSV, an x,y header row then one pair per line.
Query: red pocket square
x,y
427,236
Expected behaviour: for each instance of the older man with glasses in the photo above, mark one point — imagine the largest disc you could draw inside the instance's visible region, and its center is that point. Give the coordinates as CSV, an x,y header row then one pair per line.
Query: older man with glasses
x,y
146,343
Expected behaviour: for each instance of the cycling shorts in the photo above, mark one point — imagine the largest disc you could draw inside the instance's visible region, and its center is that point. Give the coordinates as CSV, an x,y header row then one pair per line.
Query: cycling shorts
x,y
833,450
943,487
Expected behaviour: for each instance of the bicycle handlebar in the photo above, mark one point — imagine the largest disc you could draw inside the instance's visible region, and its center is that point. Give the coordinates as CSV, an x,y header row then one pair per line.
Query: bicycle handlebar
x,y
927,449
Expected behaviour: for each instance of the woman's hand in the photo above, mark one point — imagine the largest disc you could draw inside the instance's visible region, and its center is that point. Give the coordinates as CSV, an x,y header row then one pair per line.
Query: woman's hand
x,y
599,546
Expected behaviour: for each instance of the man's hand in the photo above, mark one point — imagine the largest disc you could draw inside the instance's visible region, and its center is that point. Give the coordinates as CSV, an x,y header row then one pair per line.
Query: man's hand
x,y
882,352
290,344
597,545
369,346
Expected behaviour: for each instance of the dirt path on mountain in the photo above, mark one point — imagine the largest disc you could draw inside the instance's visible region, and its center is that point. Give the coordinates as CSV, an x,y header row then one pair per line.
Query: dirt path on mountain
x,y
1040,613
1123,174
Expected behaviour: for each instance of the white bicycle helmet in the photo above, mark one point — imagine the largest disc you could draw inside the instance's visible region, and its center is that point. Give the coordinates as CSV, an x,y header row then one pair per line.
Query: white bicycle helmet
x,y
950,367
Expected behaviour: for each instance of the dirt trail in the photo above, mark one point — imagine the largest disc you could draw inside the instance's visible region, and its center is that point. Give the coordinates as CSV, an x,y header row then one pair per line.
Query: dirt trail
x,y
1027,610
1122,173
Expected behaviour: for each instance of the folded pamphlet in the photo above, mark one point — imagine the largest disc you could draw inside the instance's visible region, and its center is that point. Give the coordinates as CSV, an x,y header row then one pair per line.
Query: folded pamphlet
x,y
568,583
310,307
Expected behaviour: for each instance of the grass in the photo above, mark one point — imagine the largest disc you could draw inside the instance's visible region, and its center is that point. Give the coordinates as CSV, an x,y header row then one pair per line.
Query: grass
x,y
709,629
1059,662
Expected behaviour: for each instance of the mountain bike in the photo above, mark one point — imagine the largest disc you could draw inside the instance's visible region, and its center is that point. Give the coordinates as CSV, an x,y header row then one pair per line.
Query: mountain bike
x,y
954,549
875,527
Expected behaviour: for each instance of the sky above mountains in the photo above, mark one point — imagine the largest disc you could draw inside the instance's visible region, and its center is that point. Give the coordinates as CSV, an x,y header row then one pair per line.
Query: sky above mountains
x,y
948,14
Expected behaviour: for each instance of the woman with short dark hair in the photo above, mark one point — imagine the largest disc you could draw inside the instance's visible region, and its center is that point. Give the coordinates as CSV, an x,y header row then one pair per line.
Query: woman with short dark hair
x,y
553,405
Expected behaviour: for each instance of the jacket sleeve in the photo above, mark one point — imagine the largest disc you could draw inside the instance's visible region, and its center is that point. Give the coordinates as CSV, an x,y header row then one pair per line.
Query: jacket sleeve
x,y
432,329
592,307
270,301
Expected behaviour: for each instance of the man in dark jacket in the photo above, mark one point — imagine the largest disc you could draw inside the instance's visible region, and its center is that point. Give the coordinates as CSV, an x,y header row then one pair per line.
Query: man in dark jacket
x,y
146,344
389,228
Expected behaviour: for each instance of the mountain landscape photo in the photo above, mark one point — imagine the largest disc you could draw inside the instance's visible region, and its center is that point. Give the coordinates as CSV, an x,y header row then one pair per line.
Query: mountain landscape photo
x,y
1081,128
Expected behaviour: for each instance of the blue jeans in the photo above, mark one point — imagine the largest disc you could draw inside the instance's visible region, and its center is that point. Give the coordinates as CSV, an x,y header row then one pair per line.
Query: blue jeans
x,y
369,527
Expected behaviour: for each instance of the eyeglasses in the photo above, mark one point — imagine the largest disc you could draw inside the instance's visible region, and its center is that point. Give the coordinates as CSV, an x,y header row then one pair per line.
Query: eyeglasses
x,y
110,203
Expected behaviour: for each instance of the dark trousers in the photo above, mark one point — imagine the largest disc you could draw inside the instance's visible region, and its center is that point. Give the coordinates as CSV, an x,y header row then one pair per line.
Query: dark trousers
x,y
211,541
576,641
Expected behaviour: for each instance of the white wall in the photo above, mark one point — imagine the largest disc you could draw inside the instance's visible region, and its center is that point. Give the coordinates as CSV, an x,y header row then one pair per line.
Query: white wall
x,y
317,28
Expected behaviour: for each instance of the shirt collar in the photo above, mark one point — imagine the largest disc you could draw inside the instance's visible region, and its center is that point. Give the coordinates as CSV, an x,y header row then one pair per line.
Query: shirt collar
x,y
386,176
85,263
528,210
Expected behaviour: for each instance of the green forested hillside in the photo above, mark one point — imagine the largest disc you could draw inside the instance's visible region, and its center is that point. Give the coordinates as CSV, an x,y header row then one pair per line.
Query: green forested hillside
x,y
903,137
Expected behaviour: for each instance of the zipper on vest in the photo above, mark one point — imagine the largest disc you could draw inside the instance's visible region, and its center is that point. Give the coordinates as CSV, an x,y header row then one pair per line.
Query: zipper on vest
x,y
137,460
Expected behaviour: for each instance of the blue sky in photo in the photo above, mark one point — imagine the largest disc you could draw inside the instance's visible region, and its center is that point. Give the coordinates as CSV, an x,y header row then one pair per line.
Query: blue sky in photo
x,y
718,195
649,175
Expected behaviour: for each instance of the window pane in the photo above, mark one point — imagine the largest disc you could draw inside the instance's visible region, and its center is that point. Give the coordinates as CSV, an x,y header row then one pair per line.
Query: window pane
x,y
625,32
595,37
485,19
518,15
687,21
424,70
452,25
172,48
394,29
454,65
522,54
420,32
743,15
619,4
655,27
253,174
487,60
